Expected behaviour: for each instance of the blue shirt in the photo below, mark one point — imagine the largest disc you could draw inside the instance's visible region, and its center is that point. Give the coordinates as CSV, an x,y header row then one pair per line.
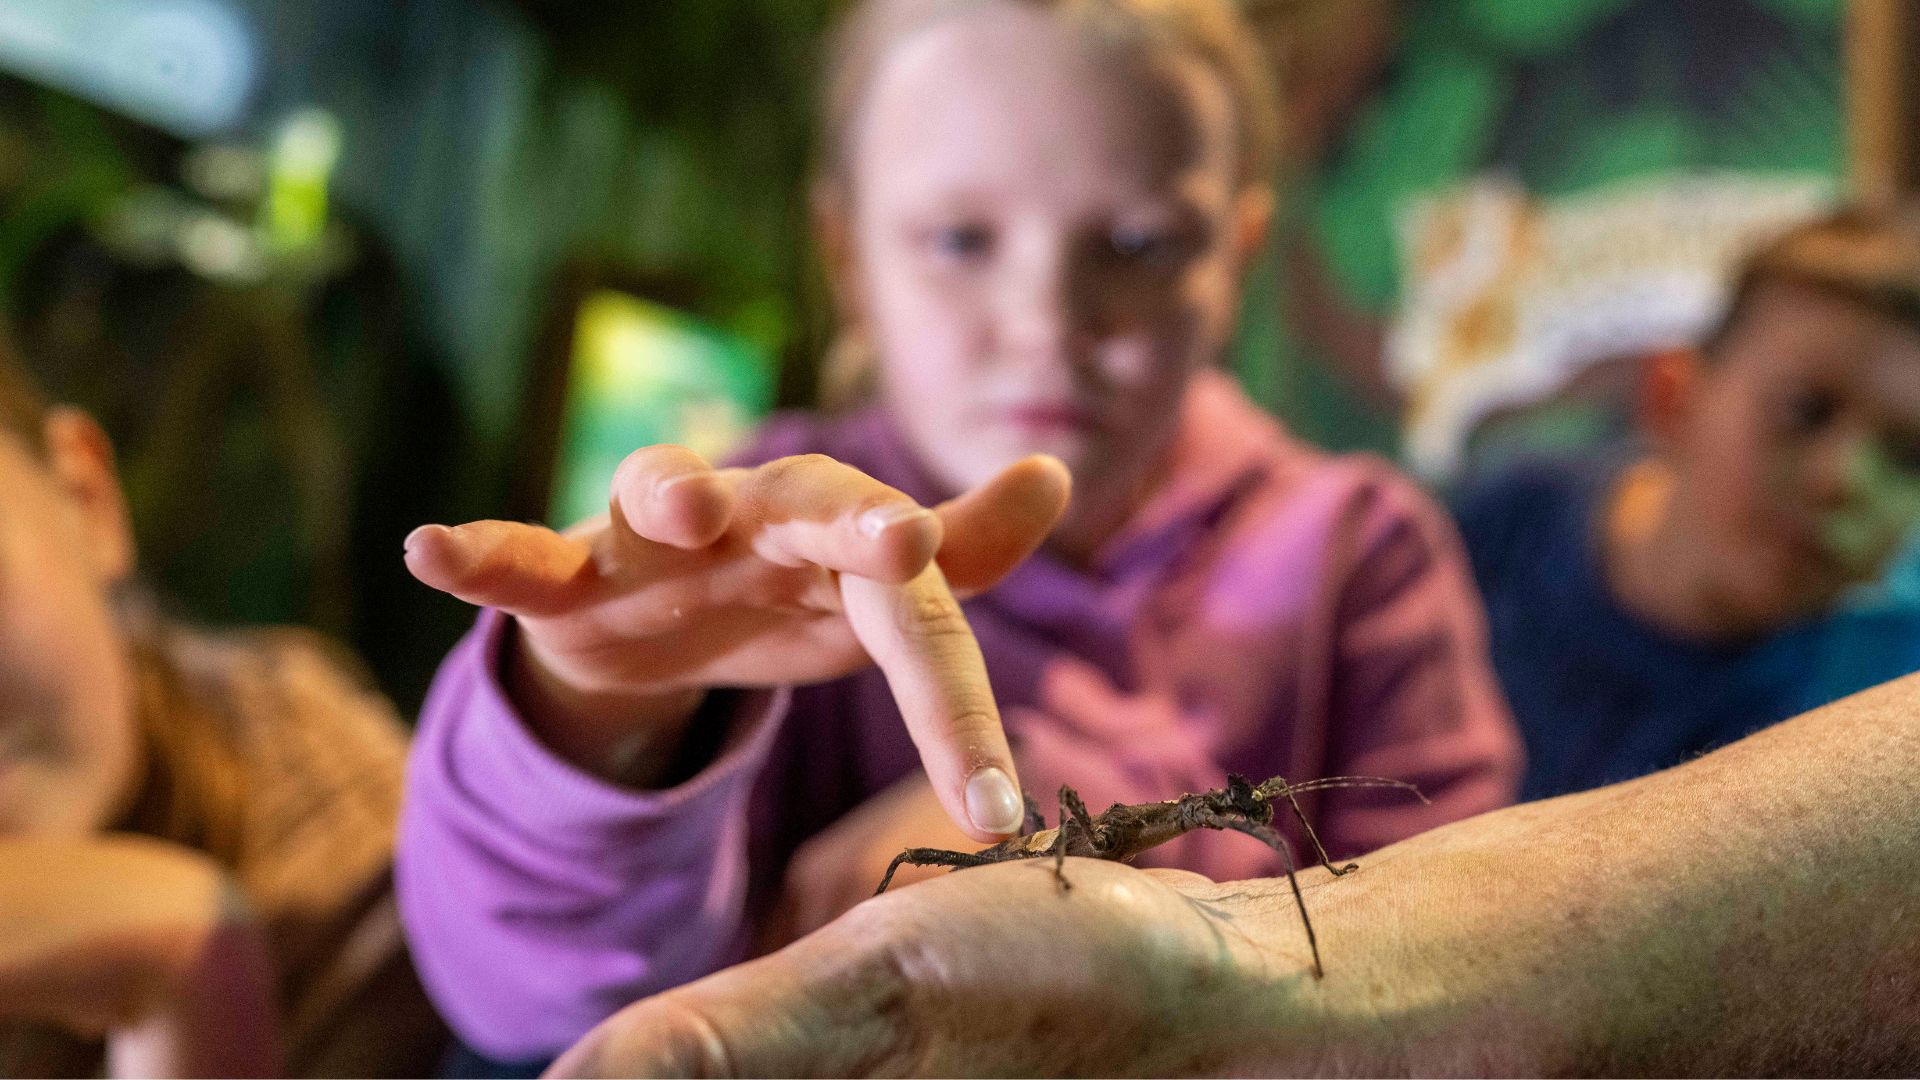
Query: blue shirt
x,y
1602,695
1874,637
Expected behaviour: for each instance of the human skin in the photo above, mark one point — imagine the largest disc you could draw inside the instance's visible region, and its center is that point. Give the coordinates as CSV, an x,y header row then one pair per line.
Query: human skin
x,y
146,943
68,749
1786,468
1748,913
1041,280
1040,284
796,571
141,942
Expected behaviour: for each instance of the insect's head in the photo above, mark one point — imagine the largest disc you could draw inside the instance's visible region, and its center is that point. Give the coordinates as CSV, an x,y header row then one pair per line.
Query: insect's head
x,y
1245,799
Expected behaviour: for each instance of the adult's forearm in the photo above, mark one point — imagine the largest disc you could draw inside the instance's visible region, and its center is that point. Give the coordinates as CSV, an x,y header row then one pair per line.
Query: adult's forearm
x,y
1746,914
1749,912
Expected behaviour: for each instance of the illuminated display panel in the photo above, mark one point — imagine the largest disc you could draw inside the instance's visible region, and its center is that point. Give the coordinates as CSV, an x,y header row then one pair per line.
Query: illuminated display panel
x,y
643,373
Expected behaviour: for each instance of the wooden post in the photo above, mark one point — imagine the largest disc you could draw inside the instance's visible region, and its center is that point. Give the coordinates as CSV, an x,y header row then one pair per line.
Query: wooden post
x,y
1883,99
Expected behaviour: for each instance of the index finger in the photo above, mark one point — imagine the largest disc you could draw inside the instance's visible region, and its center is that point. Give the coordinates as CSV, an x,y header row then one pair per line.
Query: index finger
x,y
920,640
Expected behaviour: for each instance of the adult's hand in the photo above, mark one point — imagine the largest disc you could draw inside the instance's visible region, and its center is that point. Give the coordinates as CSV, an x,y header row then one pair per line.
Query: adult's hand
x,y
797,571
993,971
1748,913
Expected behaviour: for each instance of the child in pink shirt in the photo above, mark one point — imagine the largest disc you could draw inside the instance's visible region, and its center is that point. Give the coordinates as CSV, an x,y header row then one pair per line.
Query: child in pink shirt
x,y
666,744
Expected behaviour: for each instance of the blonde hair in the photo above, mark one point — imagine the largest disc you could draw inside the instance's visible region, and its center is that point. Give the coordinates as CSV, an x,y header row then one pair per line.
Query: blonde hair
x,y
1213,32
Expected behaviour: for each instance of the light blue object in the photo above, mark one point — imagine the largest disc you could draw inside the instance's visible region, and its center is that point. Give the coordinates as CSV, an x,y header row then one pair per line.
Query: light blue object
x,y
186,66
1874,638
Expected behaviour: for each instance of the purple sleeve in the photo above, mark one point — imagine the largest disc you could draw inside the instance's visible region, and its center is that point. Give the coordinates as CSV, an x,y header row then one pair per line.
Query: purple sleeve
x,y
539,899
1414,694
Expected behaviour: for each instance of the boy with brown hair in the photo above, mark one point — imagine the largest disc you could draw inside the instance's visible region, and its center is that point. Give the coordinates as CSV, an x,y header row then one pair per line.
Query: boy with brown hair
x,y
1646,610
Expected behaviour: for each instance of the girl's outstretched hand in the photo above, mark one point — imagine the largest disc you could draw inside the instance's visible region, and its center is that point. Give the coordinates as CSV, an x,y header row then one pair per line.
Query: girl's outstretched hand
x,y
800,570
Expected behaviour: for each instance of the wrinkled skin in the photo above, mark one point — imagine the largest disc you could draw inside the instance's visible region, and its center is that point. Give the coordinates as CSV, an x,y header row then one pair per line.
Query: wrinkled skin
x,y
942,979
1746,913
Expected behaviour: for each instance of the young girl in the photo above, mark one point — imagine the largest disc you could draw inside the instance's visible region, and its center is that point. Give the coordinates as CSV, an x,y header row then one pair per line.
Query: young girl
x,y
195,830
1037,216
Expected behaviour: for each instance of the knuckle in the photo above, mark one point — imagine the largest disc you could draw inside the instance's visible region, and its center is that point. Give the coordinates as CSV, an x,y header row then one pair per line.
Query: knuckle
x,y
781,470
972,718
934,616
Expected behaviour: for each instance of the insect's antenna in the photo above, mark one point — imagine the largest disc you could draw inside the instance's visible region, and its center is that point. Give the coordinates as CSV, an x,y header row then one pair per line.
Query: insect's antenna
x,y
1270,791
1278,786
1306,826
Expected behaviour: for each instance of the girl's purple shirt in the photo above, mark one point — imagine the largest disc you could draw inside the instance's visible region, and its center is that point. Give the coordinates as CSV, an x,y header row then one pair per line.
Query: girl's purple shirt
x,y
1271,610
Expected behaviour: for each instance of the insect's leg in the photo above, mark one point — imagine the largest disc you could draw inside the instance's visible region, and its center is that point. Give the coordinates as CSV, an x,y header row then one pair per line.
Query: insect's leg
x,y
1034,822
925,856
1073,816
1070,804
1060,838
1312,838
1278,843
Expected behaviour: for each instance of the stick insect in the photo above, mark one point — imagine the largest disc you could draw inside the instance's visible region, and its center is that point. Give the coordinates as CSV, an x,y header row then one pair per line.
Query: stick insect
x,y
1124,831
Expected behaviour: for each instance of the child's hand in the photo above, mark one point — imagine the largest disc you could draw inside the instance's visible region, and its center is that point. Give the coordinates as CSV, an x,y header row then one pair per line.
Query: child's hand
x,y
797,571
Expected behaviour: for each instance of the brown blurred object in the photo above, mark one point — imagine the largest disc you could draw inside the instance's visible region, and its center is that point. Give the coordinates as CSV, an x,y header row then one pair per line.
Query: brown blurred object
x,y
268,751
1330,55
1883,98
184,354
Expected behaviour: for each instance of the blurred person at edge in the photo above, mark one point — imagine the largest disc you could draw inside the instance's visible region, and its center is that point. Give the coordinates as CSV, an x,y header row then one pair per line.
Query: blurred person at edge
x,y
195,828
1646,607
1037,216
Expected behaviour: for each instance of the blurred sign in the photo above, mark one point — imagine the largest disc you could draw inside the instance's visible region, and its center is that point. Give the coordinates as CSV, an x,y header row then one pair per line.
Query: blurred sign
x,y
1506,297
187,66
642,373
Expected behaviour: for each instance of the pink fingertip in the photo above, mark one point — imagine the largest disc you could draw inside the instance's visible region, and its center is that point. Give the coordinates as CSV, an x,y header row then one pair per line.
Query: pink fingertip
x,y
406,546
881,518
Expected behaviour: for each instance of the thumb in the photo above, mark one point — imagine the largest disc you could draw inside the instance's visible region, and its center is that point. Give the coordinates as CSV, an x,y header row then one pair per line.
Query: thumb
x,y
803,1011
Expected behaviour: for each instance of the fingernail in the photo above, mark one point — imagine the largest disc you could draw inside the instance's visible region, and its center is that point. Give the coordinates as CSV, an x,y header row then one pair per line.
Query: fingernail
x,y
992,802
881,518
662,487
407,544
